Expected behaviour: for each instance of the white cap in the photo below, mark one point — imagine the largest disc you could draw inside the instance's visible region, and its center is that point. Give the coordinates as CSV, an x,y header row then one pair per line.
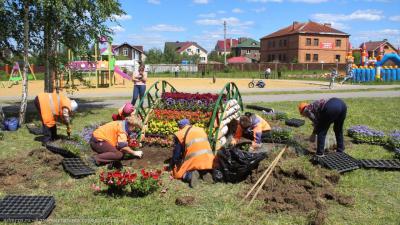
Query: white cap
x,y
74,105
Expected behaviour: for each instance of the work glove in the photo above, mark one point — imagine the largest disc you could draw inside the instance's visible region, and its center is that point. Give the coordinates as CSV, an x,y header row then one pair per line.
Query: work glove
x,y
233,142
139,154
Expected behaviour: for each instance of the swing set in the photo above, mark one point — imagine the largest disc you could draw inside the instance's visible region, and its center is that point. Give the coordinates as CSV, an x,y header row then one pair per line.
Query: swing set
x,y
16,75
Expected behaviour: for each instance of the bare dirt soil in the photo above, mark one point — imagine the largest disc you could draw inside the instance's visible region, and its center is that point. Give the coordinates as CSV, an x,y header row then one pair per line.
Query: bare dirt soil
x,y
154,157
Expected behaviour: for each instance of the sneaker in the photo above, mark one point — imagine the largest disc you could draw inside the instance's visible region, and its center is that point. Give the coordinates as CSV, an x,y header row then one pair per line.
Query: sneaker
x,y
317,158
194,181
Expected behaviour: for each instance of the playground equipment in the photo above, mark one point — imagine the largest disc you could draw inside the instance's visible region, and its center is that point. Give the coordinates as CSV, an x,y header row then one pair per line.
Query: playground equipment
x,y
372,68
103,67
16,74
228,107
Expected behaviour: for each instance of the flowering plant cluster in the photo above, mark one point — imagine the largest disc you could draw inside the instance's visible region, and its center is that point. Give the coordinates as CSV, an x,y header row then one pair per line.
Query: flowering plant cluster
x,y
278,135
193,116
160,141
117,181
87,131
188,101
394,141
364,134
274,115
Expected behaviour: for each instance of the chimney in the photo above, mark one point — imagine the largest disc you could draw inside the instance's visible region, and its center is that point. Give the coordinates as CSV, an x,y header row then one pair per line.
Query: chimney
x,y
231,42
327,24
294,24
385,40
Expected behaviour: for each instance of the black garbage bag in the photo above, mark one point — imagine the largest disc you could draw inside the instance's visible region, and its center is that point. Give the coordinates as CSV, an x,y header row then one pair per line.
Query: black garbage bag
x,y
234,165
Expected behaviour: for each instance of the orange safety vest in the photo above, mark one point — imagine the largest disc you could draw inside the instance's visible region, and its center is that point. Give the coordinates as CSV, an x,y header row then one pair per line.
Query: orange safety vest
x,y
51,106
198,154
112,132
259,127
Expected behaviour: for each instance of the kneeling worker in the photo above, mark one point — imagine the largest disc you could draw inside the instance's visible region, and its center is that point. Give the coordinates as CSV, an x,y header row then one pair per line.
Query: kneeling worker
x,y
323,113
52,106
110,141
192,156
125,111
251,126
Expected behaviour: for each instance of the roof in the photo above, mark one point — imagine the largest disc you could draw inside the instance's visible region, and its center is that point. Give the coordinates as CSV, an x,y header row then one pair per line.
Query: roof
x,y
220,44
309,27
239,59
249,43
374,45
137,47
182,46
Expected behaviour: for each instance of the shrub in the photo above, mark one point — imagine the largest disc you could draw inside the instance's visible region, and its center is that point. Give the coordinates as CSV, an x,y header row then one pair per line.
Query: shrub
x,y
364,134
146,184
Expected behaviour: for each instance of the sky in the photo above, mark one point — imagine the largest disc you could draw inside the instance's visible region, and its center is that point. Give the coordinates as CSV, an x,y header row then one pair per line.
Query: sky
x,y
153,22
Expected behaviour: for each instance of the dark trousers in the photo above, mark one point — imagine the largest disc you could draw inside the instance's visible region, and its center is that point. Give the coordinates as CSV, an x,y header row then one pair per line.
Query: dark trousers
x,y
334,111
106,152
50,133
138,91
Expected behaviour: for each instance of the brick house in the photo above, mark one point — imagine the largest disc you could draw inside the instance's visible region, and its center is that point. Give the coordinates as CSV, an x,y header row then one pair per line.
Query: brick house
x,y
373,47
132,52
230,43
191,48
247,47
308,42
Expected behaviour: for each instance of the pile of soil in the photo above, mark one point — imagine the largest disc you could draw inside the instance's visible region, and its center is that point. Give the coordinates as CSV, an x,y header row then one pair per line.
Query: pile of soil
x,y
298,188
154,157
185,201
24,172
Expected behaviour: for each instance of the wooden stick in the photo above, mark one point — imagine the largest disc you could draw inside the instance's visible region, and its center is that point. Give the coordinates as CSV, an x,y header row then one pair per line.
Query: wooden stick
x,y
269,173
259,179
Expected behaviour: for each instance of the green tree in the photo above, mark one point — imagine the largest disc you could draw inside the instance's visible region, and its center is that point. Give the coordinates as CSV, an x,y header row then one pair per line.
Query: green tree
x,y
357,57
154,56
170,56
213,56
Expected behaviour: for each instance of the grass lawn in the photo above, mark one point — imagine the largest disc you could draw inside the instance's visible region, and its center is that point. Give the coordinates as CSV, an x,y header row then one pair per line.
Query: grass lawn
x,y
376,193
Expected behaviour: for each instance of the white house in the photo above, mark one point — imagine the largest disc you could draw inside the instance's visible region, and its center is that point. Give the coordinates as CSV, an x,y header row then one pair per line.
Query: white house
x,y
191,48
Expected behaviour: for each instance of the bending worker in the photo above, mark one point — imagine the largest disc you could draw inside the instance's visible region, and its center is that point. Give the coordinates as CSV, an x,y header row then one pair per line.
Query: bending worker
x,y
192,156
323,113
125,111
251,126
52,106
110,141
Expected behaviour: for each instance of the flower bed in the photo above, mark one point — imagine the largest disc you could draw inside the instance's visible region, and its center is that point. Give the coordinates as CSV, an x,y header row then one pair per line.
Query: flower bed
x,y
140,185
364,134
187,101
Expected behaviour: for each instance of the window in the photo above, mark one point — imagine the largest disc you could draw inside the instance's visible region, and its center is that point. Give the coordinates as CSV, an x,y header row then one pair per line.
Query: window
x,y
198,51
308,57
125,52
284,43
337,58
203,59
338,43
279,57
280,43
273,44
315,58
269,44
189,50
284,57
272,57
316,41
248,51
308,41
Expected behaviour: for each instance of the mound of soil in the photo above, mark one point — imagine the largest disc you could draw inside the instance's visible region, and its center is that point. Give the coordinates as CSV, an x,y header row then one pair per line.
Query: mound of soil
x,y
153,157
184,201
24,172
296,188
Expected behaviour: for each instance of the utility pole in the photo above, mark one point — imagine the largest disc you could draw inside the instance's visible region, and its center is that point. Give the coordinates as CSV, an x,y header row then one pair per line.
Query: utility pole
x,y
224,42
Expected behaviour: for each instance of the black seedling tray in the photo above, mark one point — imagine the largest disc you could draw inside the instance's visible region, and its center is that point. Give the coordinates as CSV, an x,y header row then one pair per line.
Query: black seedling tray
x,y
258,108
294,122
58,150
340,162
76,167
33,129
26,208
392,164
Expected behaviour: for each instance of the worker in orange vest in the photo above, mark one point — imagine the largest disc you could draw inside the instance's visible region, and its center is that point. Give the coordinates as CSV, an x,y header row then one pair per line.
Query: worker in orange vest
x,y
251,126
126,110
52,106
192,156
110,141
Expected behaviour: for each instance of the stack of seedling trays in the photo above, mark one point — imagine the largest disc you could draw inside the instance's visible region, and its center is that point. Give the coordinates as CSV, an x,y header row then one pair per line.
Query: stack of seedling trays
x,y
294,122
341,162
76,167
53,147
33,129
259,108
26,208
387,164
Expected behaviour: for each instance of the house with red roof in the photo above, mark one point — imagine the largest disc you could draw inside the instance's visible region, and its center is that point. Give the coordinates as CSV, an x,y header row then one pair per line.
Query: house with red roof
x,y
305,42
373,48
230,43
188,47
131,52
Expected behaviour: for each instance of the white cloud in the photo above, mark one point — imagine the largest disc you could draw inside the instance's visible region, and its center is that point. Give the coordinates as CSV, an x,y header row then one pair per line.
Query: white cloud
x,y
208,39
207,15
237,10
264,1
221,11
165,28
376,35
148,41
200,1
367,15
260,10
117,29
154,2
339,26
231,21
122,17
395,18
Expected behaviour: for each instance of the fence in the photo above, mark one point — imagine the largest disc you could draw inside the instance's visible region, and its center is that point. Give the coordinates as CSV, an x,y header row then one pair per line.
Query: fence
x,y
166,68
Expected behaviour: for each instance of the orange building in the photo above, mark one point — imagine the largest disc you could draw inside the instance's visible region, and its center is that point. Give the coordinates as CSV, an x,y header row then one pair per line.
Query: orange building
x,y
308,42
